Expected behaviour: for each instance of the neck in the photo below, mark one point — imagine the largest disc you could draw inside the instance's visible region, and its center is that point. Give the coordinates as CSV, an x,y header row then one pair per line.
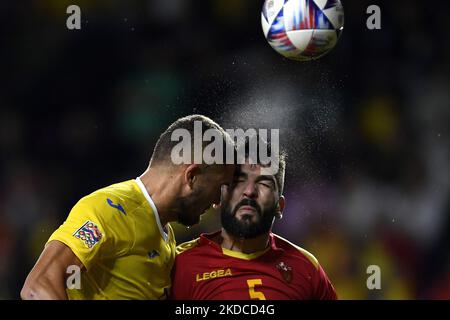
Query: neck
x,y
244,245
159,185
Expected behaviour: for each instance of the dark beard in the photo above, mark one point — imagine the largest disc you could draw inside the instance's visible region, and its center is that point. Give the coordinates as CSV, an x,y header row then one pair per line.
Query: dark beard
x,y
244,228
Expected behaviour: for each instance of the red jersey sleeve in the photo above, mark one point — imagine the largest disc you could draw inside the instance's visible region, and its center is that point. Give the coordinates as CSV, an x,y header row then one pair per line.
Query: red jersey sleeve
x,y
324,288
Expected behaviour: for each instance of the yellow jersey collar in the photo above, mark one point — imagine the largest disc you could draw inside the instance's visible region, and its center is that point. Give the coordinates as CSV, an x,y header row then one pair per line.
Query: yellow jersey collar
x,y
153,206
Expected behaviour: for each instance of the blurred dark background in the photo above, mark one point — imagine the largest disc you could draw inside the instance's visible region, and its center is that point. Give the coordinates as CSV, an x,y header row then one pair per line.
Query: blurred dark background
x,y
366,127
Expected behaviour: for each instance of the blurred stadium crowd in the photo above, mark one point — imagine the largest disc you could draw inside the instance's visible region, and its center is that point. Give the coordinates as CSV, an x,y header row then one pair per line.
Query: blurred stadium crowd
x,y
366,128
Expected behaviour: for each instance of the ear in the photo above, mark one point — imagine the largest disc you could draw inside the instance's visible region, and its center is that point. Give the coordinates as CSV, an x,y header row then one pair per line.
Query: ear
x,y
280,207
191,174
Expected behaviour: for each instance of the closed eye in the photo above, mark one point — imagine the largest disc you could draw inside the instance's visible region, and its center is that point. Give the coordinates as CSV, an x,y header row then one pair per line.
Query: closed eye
x,y
267,184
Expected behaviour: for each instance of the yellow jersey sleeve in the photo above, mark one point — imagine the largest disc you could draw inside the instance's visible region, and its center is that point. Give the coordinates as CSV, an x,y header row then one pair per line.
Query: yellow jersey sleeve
x,y
89,231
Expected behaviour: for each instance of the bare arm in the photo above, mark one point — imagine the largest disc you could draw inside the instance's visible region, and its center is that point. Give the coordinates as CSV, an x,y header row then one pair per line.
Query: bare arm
x,y
47,279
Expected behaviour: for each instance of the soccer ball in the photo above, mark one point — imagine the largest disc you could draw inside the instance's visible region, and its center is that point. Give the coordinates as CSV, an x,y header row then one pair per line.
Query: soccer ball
x,y
302,29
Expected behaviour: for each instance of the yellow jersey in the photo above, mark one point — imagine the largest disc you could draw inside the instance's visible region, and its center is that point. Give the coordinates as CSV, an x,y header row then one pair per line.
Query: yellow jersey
x,y
117,235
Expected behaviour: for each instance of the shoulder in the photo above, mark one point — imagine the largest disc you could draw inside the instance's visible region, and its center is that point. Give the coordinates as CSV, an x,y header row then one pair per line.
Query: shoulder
x,y
126,191
188,247
111,198
204,245
297,251
309,267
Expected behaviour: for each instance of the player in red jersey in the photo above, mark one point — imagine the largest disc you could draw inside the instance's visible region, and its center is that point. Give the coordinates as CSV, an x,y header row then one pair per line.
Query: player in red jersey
x,y
245,260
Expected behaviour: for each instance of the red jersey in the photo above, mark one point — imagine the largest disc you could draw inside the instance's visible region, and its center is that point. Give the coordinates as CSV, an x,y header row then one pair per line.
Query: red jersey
x,y
204,270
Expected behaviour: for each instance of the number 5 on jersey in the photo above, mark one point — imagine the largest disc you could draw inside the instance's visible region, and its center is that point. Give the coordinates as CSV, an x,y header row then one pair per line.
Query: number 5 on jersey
x,y
251,289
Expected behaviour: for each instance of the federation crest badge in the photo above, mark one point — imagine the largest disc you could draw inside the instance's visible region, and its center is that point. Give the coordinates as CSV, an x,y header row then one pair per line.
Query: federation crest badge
x,y
285,271
89,234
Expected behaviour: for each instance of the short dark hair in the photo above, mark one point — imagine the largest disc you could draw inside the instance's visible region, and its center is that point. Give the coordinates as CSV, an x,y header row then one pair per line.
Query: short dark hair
x,y
164,145
280,157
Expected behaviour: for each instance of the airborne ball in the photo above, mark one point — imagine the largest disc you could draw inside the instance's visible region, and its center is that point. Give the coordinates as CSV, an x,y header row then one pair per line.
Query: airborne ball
x,y
302,29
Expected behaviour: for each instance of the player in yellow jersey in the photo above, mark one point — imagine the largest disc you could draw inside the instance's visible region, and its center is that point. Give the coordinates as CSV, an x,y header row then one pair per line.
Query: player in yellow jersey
x,y
118,240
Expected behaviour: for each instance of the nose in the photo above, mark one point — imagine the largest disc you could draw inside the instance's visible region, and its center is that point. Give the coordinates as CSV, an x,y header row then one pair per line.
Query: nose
x,y
250,190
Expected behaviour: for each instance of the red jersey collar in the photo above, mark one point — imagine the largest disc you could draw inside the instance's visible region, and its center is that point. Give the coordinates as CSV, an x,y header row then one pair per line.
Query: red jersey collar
x,y
207,239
